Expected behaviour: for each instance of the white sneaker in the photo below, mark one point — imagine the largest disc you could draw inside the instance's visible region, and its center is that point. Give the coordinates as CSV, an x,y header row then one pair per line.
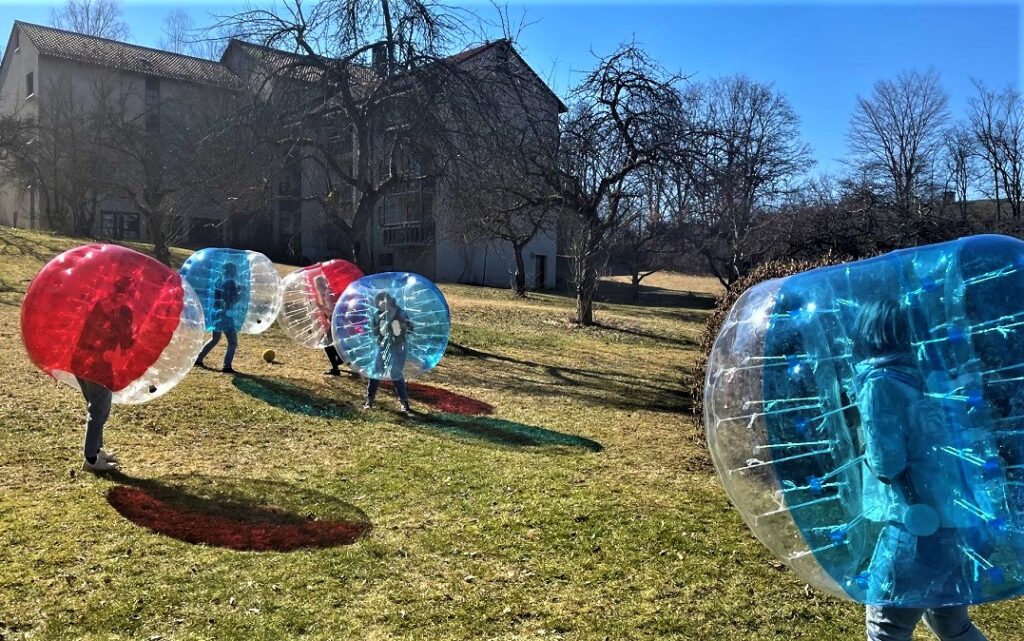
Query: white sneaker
x,y
107,456
100,466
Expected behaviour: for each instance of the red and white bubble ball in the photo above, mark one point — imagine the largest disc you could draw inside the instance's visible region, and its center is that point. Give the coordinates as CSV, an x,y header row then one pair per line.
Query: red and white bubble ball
x,y
113,316
308,299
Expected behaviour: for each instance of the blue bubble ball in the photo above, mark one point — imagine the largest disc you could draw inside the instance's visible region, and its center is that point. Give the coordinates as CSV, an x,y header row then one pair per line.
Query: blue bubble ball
x,y
391,326
238,289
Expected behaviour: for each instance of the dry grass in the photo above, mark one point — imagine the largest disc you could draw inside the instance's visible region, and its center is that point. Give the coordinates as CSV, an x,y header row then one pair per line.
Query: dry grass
x,y
578,510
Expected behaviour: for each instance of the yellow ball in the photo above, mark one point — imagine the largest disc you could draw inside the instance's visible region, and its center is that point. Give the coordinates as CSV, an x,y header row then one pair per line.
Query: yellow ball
x,y
269,355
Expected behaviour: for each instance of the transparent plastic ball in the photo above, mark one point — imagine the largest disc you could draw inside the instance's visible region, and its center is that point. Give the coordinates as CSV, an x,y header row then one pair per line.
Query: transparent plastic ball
x,y
393,325
308,297
239,289
115,317
867,420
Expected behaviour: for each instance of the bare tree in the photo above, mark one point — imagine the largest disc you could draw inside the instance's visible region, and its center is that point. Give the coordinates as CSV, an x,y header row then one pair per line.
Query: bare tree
x,y
750,156
997,123
657,233
369,97
896,135
627,117
181,35
103,18
498,181
959,155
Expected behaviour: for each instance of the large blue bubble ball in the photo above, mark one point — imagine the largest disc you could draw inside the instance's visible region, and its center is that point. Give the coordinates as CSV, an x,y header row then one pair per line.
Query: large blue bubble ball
x,y
867,420
393,325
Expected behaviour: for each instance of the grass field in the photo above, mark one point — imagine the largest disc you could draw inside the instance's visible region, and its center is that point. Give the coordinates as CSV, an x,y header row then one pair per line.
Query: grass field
x,y
579,508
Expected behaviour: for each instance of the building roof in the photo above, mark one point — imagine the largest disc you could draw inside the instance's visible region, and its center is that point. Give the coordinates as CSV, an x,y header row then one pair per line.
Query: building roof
x,y
78,47
299,67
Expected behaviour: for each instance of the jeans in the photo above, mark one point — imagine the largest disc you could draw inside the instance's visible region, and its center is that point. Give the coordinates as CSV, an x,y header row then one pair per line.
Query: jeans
x,y
897,624
229,355
97,399
401,390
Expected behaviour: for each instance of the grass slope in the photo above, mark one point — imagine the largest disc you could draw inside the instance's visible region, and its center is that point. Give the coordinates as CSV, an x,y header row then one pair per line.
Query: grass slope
x,y
579,509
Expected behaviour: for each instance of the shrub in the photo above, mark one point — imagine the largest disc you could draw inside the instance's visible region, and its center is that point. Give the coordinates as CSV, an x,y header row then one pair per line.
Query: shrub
x,y
766,271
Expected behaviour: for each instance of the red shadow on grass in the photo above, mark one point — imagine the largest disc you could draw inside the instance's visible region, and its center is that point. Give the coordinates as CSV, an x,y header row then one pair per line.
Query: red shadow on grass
x,y
227,522
448,402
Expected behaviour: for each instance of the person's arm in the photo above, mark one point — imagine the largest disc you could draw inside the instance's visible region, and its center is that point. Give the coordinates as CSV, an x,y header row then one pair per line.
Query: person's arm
x,y
885,422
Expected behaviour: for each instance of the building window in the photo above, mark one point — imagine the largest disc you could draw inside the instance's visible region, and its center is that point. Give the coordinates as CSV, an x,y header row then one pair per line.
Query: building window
x,y
119,225
30,84
152,103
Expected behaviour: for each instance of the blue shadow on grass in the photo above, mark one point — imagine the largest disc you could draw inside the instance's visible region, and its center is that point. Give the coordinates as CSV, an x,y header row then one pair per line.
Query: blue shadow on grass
x,y
500,432
291,397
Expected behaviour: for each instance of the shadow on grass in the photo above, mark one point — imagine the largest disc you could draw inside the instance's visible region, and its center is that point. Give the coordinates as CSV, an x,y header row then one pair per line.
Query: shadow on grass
x,y
500,432
621,293
447,401
607,388
290,397
239,514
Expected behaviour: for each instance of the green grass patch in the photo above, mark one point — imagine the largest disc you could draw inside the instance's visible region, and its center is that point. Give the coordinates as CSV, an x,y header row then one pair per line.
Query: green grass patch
x,y
580,508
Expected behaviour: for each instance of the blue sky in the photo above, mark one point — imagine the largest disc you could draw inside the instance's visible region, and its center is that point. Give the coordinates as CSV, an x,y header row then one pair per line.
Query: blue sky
x,y
821,54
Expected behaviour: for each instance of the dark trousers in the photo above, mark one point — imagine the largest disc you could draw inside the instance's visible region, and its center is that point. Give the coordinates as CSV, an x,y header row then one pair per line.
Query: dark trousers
x,y
229,355
401,390
334,357
97,399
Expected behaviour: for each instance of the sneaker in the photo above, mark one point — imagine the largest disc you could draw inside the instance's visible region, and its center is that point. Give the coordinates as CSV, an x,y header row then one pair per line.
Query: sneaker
x,y
367,406
405,410
107,456
332,372
200,363
101,466
229,370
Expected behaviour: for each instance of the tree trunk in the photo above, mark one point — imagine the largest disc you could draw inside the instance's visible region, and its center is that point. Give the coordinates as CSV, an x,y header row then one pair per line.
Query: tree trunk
x,y
159,235
358,236
585,290
520,283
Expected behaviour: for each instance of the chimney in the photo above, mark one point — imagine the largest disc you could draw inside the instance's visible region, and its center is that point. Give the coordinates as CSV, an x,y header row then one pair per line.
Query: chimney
x,y
379,57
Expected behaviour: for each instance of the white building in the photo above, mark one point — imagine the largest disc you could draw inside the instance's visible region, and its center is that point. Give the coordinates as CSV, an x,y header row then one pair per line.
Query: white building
x,y
410,230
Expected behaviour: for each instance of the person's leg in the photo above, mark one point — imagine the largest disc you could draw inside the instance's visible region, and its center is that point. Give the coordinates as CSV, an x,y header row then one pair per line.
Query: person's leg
x,y
952,624
229,355
335,359
97,399
891,624
210,344
402,390
371,391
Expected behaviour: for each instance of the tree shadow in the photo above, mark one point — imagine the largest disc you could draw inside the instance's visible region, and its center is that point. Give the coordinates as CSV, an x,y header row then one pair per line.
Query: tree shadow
x,y
239,514
642,333
290,397
621,293
500,432
612,388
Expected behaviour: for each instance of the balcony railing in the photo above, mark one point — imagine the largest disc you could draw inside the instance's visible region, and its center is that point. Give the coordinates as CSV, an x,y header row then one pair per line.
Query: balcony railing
x,y
414,232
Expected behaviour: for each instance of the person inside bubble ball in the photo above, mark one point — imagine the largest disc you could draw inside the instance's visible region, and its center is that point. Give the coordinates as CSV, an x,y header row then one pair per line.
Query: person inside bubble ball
x,y
226,296
107,333
390,326
906,487
325,301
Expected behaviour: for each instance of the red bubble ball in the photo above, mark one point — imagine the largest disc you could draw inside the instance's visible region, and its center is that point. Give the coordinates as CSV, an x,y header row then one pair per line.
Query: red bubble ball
x,y
103,313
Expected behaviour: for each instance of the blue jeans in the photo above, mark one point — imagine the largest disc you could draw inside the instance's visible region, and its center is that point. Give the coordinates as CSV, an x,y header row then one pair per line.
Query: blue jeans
x,y
400,389
229,355
97,399
897,624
